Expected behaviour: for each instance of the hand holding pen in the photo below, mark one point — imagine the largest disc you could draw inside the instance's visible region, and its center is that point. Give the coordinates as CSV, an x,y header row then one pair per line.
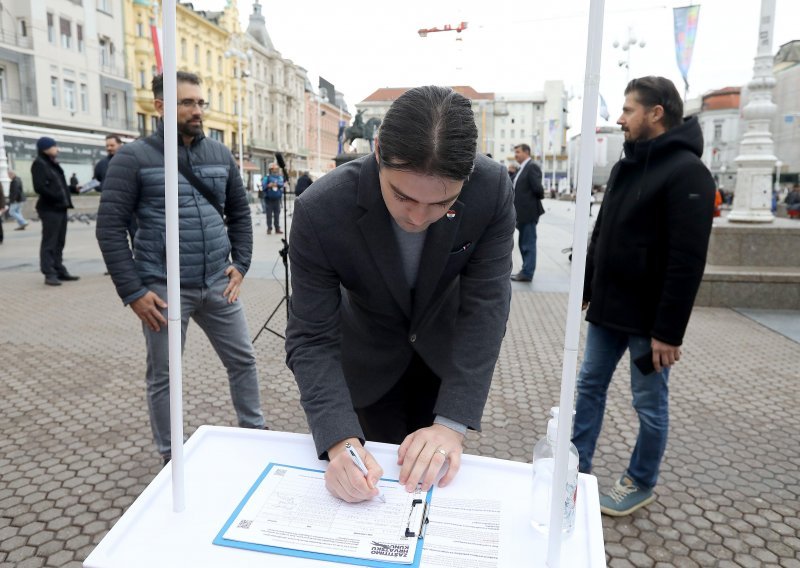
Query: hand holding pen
x,y
360,465
347,482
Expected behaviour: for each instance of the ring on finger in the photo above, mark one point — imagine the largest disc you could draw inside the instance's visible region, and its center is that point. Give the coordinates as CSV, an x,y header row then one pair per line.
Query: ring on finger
x,y
441,451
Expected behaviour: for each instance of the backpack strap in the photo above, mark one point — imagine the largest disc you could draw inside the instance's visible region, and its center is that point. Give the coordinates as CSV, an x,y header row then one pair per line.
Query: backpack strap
x,y
186,171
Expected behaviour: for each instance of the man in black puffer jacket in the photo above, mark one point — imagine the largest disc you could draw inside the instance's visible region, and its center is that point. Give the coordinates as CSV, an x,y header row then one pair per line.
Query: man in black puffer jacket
x,y
54,200
643,269
213,260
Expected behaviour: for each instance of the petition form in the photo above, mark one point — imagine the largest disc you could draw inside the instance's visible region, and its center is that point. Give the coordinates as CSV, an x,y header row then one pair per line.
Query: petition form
x,y
290,508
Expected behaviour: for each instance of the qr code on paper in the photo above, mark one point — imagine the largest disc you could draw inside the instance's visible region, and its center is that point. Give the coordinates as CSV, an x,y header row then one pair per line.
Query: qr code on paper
x,y
244,524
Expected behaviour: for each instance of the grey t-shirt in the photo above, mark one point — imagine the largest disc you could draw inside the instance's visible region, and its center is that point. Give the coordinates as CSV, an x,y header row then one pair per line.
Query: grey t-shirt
x,y
411,245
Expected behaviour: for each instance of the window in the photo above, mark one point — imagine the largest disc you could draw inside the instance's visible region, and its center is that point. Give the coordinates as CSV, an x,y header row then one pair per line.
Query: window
x,y
3,93
106,52
69,95
110,105
104,6
142,79
210,99
208,59
196,54
183,49
502,133
139,29
79,36
141,123
513,133
23,28
217,135
153,123
221,102
54,91
502,148
51,28
717,130
522,133
84,98
66,33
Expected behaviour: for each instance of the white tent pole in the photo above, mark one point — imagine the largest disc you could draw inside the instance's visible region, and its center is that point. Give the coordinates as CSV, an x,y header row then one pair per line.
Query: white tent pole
x,y
173,259
591,88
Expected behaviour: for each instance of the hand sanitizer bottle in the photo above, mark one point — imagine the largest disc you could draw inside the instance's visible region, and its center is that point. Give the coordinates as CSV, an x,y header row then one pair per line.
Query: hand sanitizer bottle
x,y
544,453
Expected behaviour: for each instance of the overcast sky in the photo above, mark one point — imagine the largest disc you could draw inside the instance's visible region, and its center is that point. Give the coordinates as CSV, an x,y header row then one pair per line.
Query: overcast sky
x,y
511,45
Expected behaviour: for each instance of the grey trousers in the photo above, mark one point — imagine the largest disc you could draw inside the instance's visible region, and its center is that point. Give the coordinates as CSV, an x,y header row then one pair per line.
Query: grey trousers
x,y
226,328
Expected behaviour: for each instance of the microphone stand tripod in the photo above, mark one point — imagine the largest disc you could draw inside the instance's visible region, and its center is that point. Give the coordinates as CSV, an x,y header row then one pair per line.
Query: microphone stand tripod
x,y
284,254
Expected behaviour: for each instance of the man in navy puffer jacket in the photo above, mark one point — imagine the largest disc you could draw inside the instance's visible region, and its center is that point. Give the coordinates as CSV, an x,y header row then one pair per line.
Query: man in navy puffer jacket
x,y
214,259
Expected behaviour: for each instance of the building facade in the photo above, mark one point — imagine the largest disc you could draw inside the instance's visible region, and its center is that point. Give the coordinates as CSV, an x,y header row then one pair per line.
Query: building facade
x,y
322,130
276,109
608,141
202,41
62,75
786,123
719,119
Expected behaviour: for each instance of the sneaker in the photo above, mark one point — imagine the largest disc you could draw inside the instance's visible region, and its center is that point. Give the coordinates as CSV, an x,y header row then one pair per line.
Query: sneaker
x,y
624,498
20,228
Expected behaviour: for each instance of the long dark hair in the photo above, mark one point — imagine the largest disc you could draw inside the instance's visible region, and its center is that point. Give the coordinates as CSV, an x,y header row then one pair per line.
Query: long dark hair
x,y
429,130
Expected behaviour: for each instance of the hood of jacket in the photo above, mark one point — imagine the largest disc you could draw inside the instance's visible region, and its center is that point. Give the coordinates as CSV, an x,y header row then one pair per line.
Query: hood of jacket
x,y
686,136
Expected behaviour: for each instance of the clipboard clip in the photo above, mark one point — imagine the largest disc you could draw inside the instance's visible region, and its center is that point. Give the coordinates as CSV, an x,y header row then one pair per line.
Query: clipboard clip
x,y
417,519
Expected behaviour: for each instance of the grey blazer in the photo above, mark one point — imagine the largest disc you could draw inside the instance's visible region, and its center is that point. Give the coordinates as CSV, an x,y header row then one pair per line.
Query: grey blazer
x,y
353,324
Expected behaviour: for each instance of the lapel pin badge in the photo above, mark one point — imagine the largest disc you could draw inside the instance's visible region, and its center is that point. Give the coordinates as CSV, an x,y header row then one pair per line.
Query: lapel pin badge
x,y
451,214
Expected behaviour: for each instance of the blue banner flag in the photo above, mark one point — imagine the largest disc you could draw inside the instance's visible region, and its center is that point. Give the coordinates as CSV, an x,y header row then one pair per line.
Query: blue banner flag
x,y
686,19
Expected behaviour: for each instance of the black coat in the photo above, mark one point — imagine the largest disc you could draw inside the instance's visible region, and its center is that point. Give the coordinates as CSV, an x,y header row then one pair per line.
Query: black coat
x,y
528,194
302,184
51,185
648,248
354,323
15,193
100,170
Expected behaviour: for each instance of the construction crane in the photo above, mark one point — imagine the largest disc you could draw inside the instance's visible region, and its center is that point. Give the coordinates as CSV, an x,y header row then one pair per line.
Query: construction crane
x,y
423,32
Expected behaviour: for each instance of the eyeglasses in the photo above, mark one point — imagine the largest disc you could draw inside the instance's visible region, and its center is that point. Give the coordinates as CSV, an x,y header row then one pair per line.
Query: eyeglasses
x,y
191,103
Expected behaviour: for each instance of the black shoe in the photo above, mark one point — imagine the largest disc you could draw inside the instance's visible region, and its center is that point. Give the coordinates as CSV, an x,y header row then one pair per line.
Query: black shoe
x,y
51,281
20,228
520,277
68,277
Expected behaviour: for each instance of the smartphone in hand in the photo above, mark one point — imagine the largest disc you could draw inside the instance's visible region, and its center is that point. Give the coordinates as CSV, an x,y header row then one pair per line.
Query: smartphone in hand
x,y
645,363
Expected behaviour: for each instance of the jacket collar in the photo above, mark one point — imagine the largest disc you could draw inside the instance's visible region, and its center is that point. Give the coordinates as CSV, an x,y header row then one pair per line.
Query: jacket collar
x,y
376,227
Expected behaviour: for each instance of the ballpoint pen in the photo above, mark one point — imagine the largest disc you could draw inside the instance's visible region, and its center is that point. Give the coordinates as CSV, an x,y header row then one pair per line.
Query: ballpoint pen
x,y
360,465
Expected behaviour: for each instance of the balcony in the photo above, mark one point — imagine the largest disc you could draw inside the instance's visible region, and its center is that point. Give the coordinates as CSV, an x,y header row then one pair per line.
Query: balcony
x,y
12,106
14,39
110,68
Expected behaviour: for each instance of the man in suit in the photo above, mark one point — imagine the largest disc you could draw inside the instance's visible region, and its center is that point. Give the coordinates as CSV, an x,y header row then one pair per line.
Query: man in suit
x,y
400,264
528,195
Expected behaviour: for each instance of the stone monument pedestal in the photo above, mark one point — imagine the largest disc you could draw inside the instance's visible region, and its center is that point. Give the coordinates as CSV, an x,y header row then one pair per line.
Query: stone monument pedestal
x,y
752,266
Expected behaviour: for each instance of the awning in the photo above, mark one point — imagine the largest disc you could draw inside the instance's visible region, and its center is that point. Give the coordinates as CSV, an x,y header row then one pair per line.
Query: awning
x,y
249,166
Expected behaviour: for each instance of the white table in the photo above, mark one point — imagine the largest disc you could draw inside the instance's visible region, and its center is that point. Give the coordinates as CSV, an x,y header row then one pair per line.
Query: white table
x,y
223,463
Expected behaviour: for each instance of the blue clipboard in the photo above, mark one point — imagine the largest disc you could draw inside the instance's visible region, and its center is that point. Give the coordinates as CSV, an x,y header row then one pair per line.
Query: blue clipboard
x,y
221,541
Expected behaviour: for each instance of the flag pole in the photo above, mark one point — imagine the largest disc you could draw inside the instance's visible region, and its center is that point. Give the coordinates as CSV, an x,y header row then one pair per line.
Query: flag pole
x,y
173,258
591,91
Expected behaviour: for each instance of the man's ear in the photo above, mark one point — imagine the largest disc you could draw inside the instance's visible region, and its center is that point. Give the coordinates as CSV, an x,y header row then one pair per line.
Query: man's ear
x,y
658,113
159,104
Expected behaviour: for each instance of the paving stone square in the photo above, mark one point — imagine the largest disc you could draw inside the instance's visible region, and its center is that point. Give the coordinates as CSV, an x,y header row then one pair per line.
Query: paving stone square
x,y
76,447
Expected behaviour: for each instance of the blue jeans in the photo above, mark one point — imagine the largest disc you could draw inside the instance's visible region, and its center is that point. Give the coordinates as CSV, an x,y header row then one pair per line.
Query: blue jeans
x,y
15,210
272,207
604,349
527,246
226,328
